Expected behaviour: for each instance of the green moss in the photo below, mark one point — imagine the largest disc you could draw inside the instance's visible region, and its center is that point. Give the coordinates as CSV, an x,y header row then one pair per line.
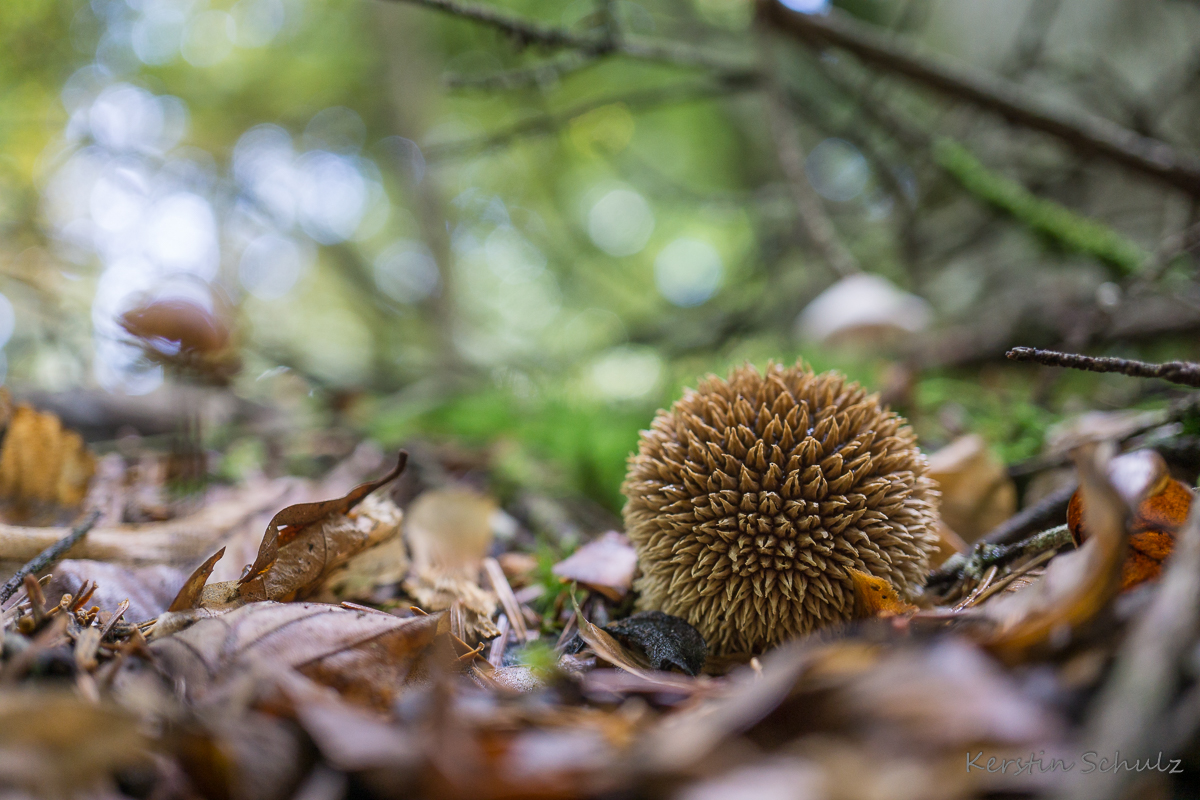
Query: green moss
x,y
589,444
1013,425
1071,231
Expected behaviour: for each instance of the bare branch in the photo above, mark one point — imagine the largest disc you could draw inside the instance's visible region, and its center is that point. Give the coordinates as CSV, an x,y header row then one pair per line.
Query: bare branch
x,y
48,556
539,74
527,32
1181,372
810,212
548,123
1081,130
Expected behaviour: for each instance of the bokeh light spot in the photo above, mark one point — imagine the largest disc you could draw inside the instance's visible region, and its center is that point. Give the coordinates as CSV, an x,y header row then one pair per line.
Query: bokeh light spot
x,y
620,222
688,271
837,170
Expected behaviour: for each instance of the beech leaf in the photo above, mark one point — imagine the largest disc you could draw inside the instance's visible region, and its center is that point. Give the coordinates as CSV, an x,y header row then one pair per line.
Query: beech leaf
x,y
307,541
364,655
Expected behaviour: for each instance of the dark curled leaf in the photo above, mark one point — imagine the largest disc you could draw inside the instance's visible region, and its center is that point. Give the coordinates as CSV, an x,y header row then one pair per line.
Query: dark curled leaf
x,y
667,642
288,523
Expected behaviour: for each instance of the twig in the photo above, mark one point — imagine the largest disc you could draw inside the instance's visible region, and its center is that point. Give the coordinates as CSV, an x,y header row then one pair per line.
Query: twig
x,y
548,123
1081,130
1000,585
1050,510
810,212
538,74
985,555
528,32
980,588
48,556
1185,373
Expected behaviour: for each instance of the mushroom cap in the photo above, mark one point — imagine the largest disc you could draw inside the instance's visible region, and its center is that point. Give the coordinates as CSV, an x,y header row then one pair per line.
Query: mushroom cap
x,y
750,498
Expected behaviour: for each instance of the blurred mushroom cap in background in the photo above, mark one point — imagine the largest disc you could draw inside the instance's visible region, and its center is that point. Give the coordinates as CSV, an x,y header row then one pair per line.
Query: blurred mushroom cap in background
x,y
862,310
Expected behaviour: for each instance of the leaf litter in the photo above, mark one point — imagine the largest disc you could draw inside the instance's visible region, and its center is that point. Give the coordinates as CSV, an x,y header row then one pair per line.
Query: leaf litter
x,y
374,645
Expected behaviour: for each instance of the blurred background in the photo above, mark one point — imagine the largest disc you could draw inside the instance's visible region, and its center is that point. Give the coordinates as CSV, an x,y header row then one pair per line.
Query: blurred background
x,y
518,228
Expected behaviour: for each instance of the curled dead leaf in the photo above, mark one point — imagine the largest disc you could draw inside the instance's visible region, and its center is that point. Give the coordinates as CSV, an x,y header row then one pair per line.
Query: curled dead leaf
x,y
1076,586
306,520
1161,505
876,597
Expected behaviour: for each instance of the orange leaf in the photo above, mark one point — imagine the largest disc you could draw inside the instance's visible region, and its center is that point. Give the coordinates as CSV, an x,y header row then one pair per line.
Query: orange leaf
x,y
1151,530
876,597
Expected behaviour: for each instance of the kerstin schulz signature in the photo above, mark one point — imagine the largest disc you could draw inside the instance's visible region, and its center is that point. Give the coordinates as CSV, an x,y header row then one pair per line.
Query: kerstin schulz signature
x,y
1092,762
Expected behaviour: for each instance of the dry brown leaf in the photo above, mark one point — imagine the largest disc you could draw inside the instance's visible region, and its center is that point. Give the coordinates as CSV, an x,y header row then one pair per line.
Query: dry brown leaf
x,y
380,565
977,494
606,565
305,523
56,744
449,531
44,468
350,737
1076,586
148,589
190,594
300,566
364,655
1161,506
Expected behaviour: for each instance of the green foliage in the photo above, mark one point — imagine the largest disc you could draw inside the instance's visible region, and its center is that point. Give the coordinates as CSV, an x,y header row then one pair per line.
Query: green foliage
x,y
1004,416
557,593
539,656
1071,231
589,442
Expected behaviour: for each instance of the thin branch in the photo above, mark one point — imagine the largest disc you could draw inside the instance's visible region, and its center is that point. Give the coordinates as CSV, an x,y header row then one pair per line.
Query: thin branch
x,y
810,212
539,75
527,32
1186,373
1081,130
549,123
1173,246
48,556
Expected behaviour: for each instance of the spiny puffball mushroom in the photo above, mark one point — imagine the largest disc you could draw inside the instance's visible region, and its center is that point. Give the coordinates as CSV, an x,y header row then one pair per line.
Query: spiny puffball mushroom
x,y
750,498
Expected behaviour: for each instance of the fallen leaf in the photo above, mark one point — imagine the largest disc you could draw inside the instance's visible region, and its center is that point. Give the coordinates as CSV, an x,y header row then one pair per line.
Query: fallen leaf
x,y
1076,586
350,737
148,589
876,597
1162,505
365,656
44,468
379,565
977,494
189,595
449,531
605,565
55,744
323,538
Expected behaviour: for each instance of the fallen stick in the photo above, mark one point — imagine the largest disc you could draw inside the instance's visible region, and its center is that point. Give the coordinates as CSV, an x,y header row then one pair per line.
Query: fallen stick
x,y
48,556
